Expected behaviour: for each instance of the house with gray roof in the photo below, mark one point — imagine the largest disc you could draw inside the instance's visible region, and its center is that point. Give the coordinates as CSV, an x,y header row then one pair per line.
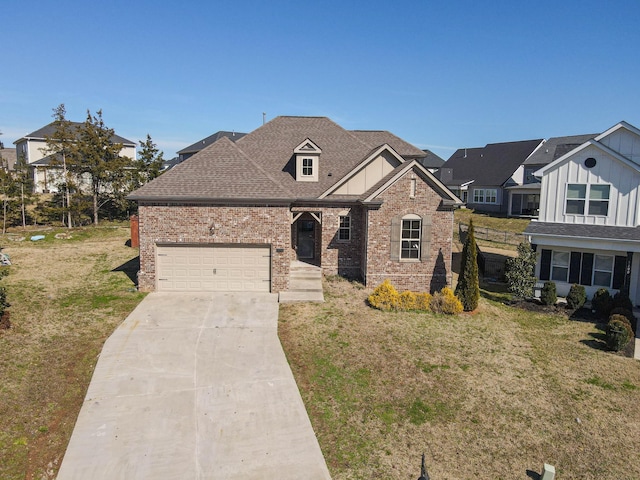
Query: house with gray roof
x,y
588,230
481,176
236,214
205,142
33,149
431,161
524,198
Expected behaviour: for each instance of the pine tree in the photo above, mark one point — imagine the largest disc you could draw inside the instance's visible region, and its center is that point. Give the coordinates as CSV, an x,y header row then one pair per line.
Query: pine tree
x,y
468,288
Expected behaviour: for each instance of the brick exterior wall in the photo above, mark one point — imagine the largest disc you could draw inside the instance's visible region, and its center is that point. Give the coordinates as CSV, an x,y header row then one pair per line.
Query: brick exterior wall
x,y
341,257
181,224
420,276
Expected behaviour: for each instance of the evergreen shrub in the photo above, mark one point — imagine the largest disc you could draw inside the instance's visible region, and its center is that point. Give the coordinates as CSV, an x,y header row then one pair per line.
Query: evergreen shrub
x,y
576,297
548,295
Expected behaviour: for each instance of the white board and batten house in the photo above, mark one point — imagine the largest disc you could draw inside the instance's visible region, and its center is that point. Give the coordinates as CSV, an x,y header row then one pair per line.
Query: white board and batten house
x,y
588,230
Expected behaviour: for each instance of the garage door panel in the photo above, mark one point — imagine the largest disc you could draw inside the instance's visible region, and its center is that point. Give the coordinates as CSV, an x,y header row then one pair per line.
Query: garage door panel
x,y
213,268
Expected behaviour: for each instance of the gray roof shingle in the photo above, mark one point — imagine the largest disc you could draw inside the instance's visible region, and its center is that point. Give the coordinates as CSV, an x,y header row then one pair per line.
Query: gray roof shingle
x,y
262,163
556,147
49,130
584,231
492,165
205,142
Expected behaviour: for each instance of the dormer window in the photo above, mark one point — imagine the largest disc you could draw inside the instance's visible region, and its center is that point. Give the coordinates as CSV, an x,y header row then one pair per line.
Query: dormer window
x,y
307,161
307,167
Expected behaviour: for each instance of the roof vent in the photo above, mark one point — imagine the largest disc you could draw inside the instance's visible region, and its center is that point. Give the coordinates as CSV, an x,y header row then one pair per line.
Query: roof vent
x,y
590,162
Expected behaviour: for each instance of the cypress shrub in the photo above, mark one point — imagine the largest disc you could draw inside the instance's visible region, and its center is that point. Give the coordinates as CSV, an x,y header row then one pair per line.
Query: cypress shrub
x,y
628,314
618,333
519,271
468,288
548,295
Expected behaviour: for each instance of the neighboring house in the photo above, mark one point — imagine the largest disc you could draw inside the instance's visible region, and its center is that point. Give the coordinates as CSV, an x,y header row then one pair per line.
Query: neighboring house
x,y
480,176
431,161
33,148
205,142
588,231
235,215
8,158
524,199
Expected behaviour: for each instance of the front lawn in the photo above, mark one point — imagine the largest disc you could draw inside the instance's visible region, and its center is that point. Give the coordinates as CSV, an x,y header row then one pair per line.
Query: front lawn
x,y
67,295
492,394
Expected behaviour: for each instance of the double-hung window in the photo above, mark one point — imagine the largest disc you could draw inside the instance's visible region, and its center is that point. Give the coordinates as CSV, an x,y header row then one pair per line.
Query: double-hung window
x,y
597,195
344,231
485,195
560,266
603,270
410,239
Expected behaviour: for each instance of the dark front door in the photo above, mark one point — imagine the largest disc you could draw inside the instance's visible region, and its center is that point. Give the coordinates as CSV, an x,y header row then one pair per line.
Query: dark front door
x,y
306,239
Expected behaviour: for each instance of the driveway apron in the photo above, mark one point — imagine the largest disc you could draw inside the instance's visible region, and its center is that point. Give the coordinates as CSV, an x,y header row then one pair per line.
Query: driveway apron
x,y
194,386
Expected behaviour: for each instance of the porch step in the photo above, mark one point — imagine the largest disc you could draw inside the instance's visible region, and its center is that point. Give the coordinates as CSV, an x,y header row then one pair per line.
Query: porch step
x,y
305,284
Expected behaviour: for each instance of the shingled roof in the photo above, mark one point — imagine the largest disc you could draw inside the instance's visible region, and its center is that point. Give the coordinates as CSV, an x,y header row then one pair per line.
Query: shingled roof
x,y
205,142
601,232
556,147
261,165
493,164
49,130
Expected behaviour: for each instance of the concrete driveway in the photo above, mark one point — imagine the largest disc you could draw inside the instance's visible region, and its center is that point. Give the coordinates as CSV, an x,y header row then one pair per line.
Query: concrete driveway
x,y
194,386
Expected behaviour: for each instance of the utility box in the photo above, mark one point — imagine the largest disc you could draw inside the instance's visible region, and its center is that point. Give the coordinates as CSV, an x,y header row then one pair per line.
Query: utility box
x,y
548,472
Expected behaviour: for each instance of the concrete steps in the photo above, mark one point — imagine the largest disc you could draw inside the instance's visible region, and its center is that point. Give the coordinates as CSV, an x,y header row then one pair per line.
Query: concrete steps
x,y
305,284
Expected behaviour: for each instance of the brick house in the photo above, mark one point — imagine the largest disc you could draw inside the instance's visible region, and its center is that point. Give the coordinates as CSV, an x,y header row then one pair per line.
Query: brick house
x,y
236,214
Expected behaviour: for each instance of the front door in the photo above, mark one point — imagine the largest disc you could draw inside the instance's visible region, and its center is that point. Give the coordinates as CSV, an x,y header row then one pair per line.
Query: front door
x,y
306,239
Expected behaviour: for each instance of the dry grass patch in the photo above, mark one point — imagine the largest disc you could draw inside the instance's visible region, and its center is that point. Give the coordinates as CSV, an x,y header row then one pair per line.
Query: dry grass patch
x,y
485,395
66,298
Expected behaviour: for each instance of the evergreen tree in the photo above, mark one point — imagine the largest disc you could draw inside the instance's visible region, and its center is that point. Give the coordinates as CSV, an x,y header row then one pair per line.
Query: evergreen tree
x,y
61,145
468,288
97,158
149,163
520,270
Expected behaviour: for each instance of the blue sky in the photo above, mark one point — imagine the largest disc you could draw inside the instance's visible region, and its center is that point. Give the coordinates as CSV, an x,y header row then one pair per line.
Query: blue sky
x,y
440,74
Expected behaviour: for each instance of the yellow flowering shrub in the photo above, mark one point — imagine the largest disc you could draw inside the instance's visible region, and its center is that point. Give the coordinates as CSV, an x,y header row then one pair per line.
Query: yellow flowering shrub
x,y
423,301
385,297
408,301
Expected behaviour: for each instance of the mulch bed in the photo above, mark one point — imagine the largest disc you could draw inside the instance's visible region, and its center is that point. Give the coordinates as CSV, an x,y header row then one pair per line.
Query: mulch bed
x,y
581,315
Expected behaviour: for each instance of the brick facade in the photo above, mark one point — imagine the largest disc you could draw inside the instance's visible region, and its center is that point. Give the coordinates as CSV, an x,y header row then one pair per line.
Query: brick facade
x,y
417,275
366,256
183,224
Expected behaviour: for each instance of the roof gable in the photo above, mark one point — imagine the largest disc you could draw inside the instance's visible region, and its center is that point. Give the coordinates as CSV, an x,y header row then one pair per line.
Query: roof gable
x,y
447,195
307,146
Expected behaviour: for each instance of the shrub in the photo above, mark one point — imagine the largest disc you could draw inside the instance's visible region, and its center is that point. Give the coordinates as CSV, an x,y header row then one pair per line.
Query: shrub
x,y
407,301
468,288
446,302
423,301
385,297
548,295
618,333
602,302
628,314
576,297
519,271
622,300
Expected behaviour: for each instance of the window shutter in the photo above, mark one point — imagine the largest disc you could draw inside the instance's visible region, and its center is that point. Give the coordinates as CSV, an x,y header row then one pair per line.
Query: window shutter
x,y
619,271
587,269
574,267
545,264
425,238
396,225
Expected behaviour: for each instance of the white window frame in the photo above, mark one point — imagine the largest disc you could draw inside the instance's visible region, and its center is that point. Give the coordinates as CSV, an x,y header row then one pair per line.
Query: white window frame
x,y
587,201
342,228
557,265
485,195
410,245
307,165
610,259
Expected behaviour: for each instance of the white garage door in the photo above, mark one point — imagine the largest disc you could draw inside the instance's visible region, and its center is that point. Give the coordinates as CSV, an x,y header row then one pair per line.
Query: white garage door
x,y
210,268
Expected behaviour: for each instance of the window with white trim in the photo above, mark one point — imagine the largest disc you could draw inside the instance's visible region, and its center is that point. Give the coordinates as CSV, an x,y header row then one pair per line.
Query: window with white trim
x,y
485,195
603,270
597,194
410,239
560,266
307,167
344,231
